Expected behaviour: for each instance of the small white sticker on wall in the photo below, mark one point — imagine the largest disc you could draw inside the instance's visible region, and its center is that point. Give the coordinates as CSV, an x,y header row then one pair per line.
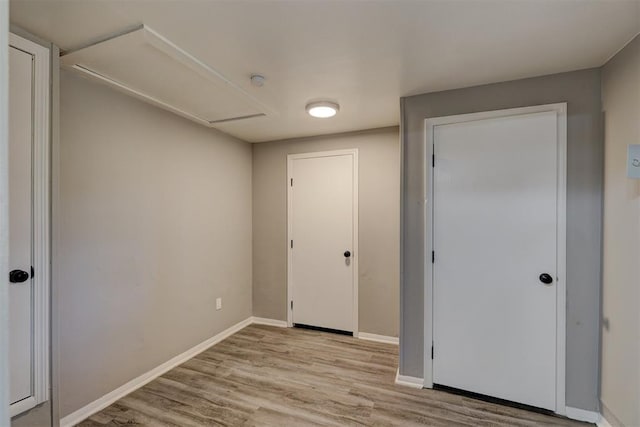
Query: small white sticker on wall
x,y
633,162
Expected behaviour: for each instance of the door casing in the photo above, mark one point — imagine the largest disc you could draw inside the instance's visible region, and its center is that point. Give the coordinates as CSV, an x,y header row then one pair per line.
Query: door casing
x,y
561,111
41,222
4,212
356,253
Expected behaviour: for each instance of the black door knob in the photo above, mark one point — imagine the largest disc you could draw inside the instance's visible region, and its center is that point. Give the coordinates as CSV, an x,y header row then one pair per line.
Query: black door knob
x,y
546,279
347,254
18,276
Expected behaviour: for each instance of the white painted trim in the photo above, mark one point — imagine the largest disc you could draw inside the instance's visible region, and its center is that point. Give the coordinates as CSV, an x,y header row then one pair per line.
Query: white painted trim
x,y
268,322
378,338
41,220
429,125
109,398
407,381
55,229
582,415
602,422
356,238
356,253
428,248
561,264
4,212
559,108
22,406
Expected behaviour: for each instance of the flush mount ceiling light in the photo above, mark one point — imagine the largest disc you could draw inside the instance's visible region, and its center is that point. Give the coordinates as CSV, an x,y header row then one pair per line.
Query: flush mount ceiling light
x,y
322,109
257,80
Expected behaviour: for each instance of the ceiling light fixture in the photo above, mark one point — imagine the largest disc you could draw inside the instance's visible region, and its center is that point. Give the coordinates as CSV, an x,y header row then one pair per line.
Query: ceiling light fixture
x,y
322,109
257,80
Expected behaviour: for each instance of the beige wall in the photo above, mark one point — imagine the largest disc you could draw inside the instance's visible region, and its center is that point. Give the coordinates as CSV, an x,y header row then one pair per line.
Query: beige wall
x,y
379,228
155,223
621,269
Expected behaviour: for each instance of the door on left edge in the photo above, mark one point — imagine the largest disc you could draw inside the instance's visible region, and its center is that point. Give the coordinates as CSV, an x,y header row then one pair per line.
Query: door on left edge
x,y
21,77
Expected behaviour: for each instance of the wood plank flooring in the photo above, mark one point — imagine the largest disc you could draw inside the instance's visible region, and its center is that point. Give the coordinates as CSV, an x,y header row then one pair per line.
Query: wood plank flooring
x,y
268,376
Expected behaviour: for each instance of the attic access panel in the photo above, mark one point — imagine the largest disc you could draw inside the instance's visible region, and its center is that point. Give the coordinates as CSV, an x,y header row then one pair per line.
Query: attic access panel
x,y
147,66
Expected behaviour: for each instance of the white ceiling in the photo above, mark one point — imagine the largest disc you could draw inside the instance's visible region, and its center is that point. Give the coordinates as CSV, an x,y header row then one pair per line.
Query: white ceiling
x,y
363,54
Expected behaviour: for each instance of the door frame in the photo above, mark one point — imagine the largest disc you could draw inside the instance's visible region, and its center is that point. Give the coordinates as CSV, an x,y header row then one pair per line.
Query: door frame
x,y
353,152
561,110
4,212
41,160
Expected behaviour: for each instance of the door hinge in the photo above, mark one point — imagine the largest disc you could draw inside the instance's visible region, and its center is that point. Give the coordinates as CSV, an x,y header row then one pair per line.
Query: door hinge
x,y
32,272
433,257
431,351
291,304
292,182
433,160
291,244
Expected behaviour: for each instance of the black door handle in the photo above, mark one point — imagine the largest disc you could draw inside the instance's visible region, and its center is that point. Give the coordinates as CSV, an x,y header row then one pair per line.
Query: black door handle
x,y
18,276
546,278
347,254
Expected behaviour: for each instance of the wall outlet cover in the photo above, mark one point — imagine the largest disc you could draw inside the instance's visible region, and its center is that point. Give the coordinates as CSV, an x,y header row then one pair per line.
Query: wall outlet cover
x,y
218,303
633,161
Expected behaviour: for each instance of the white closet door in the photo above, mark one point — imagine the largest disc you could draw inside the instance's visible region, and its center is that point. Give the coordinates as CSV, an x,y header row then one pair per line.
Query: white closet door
x,y
495,234
20,223
322,230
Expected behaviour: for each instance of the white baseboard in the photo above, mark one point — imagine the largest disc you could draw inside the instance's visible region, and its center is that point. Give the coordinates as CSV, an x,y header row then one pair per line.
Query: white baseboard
x,y
582,415
378,338
407,381
22,406
269,322
109,398
603,422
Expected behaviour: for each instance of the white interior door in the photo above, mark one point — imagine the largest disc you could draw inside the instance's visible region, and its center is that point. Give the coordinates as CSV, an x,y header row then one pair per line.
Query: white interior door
x,y
322,262
495,189
20,224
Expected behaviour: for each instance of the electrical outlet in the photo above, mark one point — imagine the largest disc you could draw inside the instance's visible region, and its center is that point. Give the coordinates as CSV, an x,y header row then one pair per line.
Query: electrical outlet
x,y
218,303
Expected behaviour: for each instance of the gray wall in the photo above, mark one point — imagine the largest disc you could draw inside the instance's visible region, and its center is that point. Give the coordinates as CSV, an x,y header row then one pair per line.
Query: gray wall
x,y
581,90
620,391
154,223
379,191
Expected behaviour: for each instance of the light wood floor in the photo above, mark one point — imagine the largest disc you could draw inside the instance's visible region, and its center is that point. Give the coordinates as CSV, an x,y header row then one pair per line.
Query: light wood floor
x,y
268,376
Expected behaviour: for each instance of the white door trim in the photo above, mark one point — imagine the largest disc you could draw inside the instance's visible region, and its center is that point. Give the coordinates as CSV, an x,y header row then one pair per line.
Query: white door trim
x,y
41,220
356,253
4,212
561,110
